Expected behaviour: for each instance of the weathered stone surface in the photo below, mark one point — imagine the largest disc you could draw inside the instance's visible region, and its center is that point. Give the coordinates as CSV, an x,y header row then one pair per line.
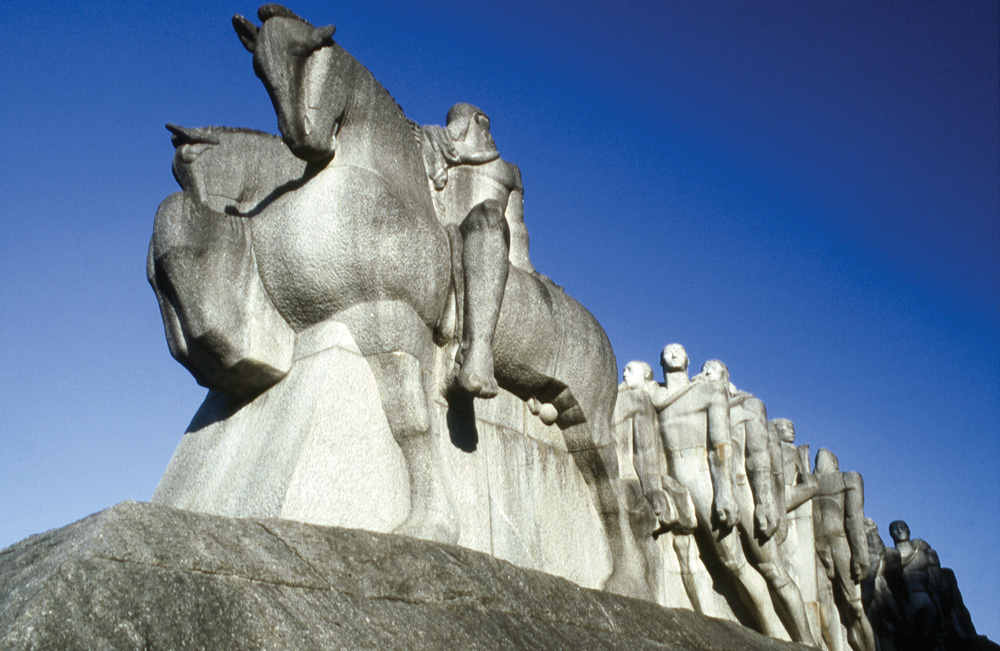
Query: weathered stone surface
x,y
142,576
412,241
327,457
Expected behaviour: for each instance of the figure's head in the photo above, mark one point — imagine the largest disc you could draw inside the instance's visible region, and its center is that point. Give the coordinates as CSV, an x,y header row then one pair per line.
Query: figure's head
x,y
715,371
674,358
785,429
636,374
469,124
826,462
294,60
899,531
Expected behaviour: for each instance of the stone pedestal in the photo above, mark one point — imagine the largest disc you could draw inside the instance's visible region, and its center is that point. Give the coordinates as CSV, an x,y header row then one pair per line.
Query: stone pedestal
x,y
316,448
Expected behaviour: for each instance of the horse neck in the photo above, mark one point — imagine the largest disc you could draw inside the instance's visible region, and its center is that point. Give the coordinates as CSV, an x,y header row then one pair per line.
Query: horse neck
x,y
374,132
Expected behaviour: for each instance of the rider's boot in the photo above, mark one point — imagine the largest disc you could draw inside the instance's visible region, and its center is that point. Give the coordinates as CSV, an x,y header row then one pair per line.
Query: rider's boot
x,y
486,243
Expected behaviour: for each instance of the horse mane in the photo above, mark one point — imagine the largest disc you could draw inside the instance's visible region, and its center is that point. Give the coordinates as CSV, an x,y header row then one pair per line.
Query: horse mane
x,y
415,130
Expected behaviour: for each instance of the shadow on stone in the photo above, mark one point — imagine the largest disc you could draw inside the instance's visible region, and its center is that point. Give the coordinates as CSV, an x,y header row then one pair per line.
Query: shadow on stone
x,y
462,422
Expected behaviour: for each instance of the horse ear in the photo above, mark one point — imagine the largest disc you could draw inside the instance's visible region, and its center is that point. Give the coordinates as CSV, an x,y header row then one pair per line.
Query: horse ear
x,y
247,32
324,35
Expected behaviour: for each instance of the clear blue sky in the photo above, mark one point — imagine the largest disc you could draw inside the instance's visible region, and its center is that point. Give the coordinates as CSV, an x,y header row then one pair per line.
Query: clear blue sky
x,y
807,191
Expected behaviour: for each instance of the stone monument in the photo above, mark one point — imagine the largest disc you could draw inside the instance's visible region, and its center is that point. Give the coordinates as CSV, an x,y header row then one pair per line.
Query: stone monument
x,y
350,312
381,358
694,423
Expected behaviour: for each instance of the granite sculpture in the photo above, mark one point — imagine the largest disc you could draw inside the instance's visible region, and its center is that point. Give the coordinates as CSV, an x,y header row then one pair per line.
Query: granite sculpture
x,y
798,545
694,424
358,296
918,569
219,320
842,548
395,238
657,504
762,511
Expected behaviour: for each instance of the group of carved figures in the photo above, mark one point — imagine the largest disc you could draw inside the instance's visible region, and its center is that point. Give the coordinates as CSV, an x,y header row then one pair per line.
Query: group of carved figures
x,y
700,460
413,237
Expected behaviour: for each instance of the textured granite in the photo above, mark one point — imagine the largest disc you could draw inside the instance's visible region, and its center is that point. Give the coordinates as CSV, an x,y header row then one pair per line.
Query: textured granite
x,y
143,576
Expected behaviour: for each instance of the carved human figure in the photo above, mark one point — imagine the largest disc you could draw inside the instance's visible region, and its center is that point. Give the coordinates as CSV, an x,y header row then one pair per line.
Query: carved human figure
x,y
797,487
799,484
693,420
842,547
636,444
917,567
876,593
655,503
670,501
480,202
797,545
761,512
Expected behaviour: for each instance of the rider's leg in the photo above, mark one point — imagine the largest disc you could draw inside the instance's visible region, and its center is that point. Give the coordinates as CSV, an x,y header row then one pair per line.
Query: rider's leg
x,y
486,243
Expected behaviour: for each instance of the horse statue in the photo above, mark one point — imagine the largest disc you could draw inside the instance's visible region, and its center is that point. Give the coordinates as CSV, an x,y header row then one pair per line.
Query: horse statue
x,y
356,240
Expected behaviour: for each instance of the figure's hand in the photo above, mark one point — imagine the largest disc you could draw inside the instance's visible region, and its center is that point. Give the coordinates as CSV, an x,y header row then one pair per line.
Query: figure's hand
x,y
662,508
766,520
726,510
858,571
763,522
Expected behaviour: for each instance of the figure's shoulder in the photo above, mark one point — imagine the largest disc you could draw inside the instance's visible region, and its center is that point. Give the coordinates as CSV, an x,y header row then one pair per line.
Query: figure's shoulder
x,y
630,402
755,406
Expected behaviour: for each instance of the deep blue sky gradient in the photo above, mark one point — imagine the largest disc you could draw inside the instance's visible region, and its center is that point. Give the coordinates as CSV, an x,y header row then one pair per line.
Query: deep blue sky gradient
x,y
807,191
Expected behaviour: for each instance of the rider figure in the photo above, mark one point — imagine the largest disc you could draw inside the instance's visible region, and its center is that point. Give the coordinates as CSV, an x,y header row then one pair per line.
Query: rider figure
x,y
480,201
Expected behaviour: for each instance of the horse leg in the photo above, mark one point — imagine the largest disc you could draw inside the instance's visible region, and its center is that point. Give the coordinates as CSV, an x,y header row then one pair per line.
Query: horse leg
x,y
404,387
485,247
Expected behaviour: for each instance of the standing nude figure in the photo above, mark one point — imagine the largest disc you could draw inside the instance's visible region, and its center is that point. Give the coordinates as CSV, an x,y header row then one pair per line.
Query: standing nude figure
x,y
761,512
799,484
915,564
655,502
877,595
842,547
693,419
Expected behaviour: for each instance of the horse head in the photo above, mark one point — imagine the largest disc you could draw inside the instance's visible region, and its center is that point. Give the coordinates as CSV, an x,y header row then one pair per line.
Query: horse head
x,y
296,62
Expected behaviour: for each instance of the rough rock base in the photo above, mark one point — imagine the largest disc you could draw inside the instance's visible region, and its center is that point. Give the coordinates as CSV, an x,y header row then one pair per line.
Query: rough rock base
x,y
142,576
